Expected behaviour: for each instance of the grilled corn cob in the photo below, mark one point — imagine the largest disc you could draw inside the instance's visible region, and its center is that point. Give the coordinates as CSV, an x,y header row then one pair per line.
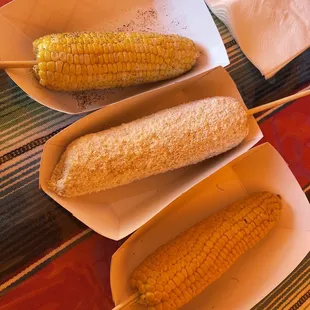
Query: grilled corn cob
x,y
166,140
181,269
96,60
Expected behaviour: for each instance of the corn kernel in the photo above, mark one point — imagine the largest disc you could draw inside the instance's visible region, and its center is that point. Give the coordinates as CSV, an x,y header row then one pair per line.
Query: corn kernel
x,y
76,59
114,68
116,49
67,49
47,56
86,59
79,48
41,56
93,59
66,78
43,75
79,79
50,76
42,66
69,58
59,65
66,68
159,307
43,82
72,69
166,306
59,48
95,69
51,66
54,55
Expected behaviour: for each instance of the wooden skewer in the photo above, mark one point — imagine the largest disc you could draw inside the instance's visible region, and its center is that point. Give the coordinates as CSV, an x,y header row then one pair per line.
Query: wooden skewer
x,y
279,102
18,64
128,302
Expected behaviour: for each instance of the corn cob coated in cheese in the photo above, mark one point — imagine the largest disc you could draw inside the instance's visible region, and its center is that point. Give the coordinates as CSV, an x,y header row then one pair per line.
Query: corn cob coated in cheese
x,y
166,140
96,60
181,269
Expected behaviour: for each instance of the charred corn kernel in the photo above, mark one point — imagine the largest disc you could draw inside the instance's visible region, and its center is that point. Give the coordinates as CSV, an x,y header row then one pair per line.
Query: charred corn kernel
x,y
63,56
54,55
180,288
121,52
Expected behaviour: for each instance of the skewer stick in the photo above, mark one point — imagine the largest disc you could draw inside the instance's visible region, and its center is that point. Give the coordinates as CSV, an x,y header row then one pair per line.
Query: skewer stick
x,y
279,102
128,302
18,64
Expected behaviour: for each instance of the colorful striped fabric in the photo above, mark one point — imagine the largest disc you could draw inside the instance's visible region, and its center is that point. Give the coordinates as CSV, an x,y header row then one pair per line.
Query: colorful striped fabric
x,y
44,250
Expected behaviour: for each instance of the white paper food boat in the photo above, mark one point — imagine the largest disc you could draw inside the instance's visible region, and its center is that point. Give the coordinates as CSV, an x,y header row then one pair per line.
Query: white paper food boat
x,y
118,212
258,271
22,21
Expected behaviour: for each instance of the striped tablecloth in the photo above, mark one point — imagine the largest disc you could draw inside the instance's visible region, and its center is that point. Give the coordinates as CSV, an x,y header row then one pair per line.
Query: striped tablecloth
x,y
49,260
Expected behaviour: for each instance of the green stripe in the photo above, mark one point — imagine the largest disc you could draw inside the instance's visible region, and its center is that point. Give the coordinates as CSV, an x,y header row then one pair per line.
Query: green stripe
x,y
30,200
293,275
17,109
9,89
33,117
43,122
13,102
12,94
31,111
303,299
296,289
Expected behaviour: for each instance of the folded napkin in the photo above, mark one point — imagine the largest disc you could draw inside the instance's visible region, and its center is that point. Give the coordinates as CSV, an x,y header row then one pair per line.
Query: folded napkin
x,y
270,32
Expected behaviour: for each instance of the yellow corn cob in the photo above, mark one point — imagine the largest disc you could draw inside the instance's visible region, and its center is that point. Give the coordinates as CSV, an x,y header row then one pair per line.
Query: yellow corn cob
x,y
181,269
96,60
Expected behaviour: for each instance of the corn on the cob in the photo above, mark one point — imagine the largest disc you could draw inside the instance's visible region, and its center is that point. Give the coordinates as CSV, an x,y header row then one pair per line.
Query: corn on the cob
x,y
181,269
166,140
96,60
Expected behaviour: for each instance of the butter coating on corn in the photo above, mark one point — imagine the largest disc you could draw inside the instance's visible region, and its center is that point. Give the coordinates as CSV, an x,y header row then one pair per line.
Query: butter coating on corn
x,y
181,269
96,60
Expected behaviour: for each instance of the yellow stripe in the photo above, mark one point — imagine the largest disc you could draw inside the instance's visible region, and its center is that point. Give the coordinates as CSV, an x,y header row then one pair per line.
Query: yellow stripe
x,y
291,284
285,283
297,297
306,305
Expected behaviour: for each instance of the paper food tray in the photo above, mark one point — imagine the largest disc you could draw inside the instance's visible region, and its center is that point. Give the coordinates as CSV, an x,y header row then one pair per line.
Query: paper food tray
x,y
22,21
117,212
258,271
